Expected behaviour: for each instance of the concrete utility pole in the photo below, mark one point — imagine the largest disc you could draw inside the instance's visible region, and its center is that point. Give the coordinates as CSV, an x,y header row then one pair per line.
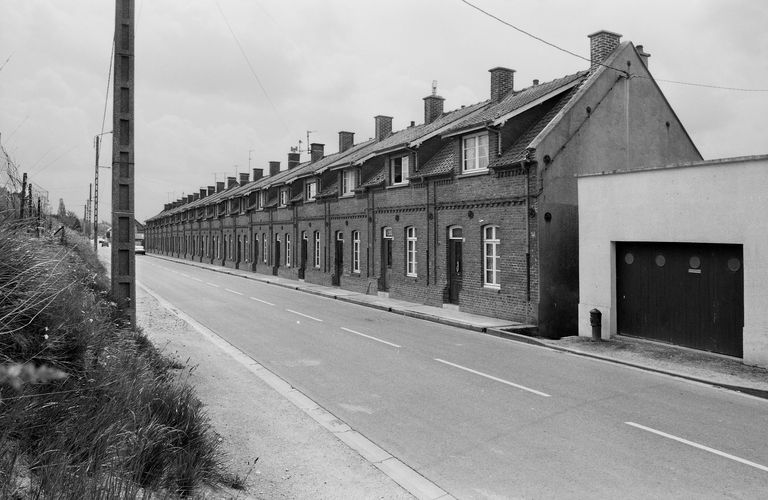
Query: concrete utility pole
x,y
87,221
23,193
123,222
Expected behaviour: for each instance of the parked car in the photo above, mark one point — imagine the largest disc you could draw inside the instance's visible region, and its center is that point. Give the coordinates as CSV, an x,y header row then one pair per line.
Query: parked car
x,y
139,246
103,242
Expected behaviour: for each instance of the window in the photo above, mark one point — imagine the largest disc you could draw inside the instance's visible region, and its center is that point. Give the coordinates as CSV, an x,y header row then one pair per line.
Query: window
x,y
491,257
283,197
310,190
287,250
264,247
317,249
355,251
398,170
410,251
347,182
475,153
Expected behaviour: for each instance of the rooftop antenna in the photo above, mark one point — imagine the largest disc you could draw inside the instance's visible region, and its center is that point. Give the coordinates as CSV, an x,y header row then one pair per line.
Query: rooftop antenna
x,y
434,87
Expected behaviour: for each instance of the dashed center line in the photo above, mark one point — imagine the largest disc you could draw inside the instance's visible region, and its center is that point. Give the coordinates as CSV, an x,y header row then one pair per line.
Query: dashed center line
x,y
371,337
491,377
185,275
213,285
196,279
305,315
699,446
262,301
233,291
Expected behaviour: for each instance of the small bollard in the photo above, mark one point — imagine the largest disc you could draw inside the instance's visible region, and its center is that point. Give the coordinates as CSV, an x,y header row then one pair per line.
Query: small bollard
x,y
596,320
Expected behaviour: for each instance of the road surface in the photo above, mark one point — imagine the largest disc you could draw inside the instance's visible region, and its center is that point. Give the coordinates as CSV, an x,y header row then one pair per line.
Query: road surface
x,y
480,416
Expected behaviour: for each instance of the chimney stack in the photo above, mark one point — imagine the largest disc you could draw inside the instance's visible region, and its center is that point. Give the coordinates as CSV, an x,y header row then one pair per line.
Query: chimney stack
x,y
195,196
231,182
258,173
383,127
346,140
244,178
433,105
535,81
211,190
502,82
643,55
190,198
601,45
317,151
294,159
219,187
203,192
274,168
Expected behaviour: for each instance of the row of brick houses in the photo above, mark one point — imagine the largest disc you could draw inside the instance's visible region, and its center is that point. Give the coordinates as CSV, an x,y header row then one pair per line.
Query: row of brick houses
x,y
475,208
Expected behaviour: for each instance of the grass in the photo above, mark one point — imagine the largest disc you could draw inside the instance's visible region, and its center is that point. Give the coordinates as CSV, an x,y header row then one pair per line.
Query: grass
x,y
88,407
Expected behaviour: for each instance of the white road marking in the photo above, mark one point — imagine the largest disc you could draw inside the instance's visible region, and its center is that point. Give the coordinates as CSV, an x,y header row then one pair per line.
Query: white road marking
x,y
216,286
305,315
470,370
233,291
370,337
185,275
196,279
262,301
700,446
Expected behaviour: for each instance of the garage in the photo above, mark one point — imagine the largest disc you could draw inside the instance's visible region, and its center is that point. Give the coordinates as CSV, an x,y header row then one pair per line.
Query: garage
x,y
686,294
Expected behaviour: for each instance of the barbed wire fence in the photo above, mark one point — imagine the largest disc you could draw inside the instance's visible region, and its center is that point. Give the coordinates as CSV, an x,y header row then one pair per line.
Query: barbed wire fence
x,y
14,191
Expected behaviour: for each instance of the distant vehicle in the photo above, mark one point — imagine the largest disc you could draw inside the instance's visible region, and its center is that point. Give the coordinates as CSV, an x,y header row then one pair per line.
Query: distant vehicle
x,y
139,244
103,242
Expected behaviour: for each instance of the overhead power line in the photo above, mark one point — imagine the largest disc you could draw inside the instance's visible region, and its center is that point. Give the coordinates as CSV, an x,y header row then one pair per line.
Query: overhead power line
x,y
539,39
248,61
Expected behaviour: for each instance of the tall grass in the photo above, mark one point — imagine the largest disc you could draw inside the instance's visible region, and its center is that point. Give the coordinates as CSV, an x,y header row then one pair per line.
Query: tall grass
x,y
89,409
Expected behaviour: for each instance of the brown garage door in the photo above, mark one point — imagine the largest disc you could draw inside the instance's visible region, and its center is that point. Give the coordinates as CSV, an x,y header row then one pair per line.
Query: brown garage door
x,y
686,294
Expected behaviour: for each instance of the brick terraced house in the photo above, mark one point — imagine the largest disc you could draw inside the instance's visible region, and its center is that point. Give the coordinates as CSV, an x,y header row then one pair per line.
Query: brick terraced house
x,y
475,208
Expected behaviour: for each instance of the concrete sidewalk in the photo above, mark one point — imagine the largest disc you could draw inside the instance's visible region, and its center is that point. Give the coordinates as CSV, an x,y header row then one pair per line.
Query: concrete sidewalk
x,y
722,371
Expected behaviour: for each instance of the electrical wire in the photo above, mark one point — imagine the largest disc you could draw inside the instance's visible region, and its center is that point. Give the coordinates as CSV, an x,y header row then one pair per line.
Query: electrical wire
x,y
248,61
109,80
691,84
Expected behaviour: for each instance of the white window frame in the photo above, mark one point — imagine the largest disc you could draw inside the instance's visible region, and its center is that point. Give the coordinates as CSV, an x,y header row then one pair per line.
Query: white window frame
x,y
264,246
287,250
348,180
317,249
472,159
356,252
491,246
403,166
410,252
283,197
310,190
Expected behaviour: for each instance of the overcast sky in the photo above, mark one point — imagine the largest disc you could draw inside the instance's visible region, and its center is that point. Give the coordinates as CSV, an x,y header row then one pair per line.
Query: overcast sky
x,y
333,65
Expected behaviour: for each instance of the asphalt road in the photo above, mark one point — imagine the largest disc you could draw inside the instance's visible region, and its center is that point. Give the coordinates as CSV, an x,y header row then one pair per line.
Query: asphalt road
x,y
484,417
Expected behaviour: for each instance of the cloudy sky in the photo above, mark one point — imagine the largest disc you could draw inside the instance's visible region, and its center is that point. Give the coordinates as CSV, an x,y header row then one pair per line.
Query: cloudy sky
x,y
202,113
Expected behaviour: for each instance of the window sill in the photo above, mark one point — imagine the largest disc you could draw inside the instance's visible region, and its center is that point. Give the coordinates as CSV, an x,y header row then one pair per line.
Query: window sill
x,y
473,173
398,185
347,195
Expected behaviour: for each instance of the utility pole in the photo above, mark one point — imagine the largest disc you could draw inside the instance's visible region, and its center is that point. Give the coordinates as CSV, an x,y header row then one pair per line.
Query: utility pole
x,y
29,201
123,256
87,221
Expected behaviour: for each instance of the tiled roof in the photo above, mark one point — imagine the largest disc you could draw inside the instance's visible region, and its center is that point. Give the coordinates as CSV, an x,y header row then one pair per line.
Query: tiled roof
x,y
407,135
329,191
376,180
518,151
441,163
515,101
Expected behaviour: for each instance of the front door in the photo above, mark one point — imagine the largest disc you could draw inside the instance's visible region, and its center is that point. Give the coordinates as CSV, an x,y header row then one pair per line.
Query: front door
x,y
338,260
239,251
276,264
303,255
455,264
386,259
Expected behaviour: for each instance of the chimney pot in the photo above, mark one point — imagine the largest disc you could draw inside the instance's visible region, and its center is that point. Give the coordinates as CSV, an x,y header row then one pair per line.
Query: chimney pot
x,y
433,108
643,55
190,197
601,45
274,168
258,173
502,82
294,159
535,82
346,140
219,186
383,126
316,151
